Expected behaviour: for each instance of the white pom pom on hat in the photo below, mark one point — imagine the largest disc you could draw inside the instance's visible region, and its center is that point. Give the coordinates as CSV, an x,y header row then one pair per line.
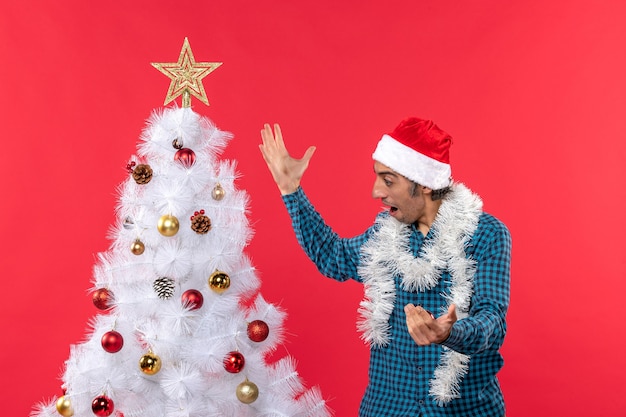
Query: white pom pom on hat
x,y
419,150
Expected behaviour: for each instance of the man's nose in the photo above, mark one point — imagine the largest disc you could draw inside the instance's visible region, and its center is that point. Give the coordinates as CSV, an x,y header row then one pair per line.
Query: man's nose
x,y
377,192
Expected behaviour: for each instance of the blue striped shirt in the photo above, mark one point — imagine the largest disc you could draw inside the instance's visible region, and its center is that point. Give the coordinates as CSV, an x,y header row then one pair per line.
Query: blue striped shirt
x,y
400,372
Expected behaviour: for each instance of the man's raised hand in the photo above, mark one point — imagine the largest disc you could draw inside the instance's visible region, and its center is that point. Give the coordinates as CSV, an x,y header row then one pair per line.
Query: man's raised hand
x,y
287,171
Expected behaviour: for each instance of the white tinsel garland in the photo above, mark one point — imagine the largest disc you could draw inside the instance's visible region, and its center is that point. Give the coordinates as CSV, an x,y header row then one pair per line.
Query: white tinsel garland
x,y
387,254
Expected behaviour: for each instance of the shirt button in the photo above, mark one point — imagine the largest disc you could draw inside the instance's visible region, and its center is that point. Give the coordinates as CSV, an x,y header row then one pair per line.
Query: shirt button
x,y
419,369
421,402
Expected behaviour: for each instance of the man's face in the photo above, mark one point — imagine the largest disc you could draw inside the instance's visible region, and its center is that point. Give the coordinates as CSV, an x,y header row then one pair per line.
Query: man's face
x,y
395,191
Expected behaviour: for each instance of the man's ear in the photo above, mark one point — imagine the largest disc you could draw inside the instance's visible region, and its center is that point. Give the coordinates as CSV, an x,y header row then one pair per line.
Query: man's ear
x,y
427,191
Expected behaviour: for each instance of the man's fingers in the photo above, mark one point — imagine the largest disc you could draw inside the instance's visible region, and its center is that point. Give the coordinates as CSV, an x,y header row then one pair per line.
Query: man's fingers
x,y
309,154
266,134
422,325
270,146
418,310
418,329
452,309
273,140
262,148
278,135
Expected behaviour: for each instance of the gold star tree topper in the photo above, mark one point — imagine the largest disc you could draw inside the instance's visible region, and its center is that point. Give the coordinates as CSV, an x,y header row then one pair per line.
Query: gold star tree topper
x,y
186,76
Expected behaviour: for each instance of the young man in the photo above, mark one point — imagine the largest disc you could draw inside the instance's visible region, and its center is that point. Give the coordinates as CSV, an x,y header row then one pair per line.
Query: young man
x,y
435,269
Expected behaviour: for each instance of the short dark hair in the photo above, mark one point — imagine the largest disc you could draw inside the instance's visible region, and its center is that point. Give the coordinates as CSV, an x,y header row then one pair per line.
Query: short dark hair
x,y
435,195
440,193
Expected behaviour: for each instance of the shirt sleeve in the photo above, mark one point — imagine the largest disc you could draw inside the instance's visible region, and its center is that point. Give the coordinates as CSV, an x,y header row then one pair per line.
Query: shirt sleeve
x,y
485,326
335,257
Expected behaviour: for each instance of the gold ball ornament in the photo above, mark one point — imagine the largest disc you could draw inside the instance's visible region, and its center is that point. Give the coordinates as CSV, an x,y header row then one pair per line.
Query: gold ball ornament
x,y
64,406
247,392
150,363
168,225
137,247
218,192
219,281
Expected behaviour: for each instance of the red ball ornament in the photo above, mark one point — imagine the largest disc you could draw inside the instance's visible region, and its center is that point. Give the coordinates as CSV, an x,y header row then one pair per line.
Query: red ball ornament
x,y
102,406
102,298
185,156
192,299
258,330
234,362
112,341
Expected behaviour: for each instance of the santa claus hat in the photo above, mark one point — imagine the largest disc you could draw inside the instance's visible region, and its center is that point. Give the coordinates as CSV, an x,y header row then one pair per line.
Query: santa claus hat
x,y
419,150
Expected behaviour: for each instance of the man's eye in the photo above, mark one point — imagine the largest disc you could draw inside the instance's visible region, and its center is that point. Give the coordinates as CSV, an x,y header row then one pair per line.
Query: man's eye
x,y
388,183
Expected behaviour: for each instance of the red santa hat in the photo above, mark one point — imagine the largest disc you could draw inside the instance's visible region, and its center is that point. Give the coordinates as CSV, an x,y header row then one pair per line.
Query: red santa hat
x,y
419,150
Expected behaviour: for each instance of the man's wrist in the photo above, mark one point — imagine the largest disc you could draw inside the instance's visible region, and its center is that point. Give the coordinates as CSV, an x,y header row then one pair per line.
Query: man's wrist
x,y
288,188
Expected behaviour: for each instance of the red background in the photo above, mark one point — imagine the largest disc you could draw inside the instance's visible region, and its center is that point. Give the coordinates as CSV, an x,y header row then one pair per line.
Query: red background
x,y
533,92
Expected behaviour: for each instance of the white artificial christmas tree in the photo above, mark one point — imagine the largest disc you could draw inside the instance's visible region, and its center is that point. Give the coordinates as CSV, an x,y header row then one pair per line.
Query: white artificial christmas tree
x,y
183,331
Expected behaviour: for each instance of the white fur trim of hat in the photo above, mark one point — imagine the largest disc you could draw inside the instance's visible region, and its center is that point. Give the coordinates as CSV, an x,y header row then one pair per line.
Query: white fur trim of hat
x,y
414,165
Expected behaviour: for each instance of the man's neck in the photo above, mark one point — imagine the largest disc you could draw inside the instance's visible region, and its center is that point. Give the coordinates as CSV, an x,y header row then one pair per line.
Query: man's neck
x,y
425,222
